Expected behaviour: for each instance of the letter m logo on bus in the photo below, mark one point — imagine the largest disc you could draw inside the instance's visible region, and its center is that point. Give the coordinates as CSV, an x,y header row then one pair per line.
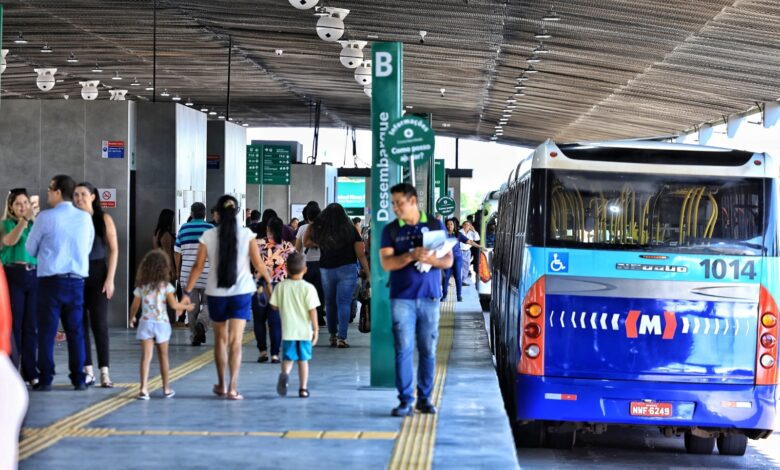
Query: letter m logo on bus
x,y
650,324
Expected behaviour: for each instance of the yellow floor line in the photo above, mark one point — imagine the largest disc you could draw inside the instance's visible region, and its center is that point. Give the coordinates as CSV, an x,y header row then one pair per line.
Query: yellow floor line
x,y
291,434
415,443
46,437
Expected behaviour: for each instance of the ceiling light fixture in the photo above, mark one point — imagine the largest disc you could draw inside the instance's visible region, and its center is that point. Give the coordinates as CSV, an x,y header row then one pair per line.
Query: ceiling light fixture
x,y
189,102
531,69
135,82
212,113
221,116
540,49
245,125
521,78
542,34
204,109
116,76
3,63
446,124
551,15
97,68
520,93
534,59
165,93
149,87
176,98
46,49
20,39
72,59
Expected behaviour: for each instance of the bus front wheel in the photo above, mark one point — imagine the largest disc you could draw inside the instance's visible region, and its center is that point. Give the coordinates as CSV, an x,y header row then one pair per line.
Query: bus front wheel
x,y
561,440
732,444
699,445
529,435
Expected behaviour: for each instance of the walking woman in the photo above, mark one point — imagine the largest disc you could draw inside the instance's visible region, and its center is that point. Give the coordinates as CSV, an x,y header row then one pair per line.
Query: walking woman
x,y
457,260
165,239
20,269
341,247
274,252
312,254
99,286
229,249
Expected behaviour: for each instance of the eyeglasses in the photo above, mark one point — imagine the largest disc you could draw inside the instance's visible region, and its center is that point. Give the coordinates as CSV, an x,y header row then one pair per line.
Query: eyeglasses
x,y
17,191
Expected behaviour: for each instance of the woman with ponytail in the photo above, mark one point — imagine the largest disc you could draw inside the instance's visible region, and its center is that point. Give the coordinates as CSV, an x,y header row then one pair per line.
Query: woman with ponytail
x,y
229,249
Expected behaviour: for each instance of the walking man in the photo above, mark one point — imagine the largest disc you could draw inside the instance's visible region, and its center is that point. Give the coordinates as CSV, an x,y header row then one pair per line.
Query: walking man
x,y
186,252
61,240
414,297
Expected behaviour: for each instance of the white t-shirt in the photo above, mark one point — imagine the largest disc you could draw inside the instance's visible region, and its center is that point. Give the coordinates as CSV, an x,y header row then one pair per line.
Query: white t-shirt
x,y
473,235
245,283
311,254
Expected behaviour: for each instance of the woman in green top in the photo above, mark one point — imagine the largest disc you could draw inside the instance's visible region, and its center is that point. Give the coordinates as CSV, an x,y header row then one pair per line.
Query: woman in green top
x,y
20,269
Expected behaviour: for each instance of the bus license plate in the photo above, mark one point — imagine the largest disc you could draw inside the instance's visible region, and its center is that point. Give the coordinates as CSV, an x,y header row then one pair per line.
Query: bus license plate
x,y
661,410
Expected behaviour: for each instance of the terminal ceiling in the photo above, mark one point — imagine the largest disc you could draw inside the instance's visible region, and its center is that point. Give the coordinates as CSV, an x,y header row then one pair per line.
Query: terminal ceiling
x,y
616,69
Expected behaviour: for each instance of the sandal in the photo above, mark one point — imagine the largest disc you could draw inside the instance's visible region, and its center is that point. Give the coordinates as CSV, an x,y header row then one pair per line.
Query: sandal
x,y
281,384
218,391
234,396
303,393
143,396
170,394
263,357
89,380
274,359
105,380
342,343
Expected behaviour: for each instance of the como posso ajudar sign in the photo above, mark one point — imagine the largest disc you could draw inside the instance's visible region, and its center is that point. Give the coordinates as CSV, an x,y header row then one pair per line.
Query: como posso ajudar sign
x,y
410,138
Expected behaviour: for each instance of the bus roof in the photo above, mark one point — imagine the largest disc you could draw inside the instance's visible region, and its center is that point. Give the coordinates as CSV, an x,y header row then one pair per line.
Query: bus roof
x,y
654,157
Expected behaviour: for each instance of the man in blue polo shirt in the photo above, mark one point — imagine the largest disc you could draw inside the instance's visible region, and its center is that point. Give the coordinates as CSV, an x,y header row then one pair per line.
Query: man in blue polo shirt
x,y
185,252
414,297
61,239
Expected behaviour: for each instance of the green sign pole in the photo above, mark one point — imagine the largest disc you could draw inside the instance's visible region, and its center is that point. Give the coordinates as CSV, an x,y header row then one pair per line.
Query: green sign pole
x,y
386,102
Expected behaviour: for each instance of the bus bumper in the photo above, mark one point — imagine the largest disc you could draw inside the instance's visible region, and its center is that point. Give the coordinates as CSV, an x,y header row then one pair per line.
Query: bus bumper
x,y
723,406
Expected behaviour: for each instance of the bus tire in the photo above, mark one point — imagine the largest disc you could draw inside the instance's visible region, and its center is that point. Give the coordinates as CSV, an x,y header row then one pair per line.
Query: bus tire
x,y
529,435
561,440
732,444
699,445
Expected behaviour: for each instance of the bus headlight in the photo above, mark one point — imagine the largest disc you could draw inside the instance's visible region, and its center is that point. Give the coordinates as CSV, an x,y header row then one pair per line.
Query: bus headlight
x,y
766,360
533,351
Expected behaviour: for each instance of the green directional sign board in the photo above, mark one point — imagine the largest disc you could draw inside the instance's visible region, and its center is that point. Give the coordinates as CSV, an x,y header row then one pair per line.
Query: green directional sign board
x,y
253,160
445,206
276,164
410,138
440,179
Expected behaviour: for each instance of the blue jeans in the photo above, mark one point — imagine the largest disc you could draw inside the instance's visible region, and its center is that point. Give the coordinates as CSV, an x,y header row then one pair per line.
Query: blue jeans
x,y
263,313
415,319
23,293
60,299
454,270
338,285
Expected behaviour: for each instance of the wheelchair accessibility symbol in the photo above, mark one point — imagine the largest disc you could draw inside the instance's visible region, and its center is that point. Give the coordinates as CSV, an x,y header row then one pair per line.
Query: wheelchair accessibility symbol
x,y
558,262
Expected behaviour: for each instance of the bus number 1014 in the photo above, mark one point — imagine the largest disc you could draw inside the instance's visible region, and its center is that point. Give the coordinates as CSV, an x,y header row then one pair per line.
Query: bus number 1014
x,y
720,268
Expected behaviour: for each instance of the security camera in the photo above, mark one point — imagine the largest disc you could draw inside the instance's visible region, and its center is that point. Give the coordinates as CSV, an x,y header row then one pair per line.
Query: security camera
x,y
441,92
422,36
279,51
330,27
45,80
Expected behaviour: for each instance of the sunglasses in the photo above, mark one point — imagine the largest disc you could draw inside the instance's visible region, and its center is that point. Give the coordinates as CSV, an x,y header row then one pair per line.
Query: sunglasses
x,y
17,191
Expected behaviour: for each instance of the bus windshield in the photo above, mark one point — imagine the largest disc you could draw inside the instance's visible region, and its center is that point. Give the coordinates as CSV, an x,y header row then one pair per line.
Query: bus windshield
x,y
670,213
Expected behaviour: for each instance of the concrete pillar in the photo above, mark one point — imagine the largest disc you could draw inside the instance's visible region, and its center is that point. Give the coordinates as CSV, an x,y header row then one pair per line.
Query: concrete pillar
x,y
42,138
226,145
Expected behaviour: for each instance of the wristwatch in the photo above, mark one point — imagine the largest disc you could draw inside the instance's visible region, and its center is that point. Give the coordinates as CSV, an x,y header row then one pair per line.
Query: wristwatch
x,y
188,293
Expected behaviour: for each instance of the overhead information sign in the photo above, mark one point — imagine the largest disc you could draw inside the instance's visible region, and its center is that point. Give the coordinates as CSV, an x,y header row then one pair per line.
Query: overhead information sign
x,y
276,164
253,160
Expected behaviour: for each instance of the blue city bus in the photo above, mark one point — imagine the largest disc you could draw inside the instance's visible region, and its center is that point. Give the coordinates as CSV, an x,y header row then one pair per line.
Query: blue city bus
x,y
634,284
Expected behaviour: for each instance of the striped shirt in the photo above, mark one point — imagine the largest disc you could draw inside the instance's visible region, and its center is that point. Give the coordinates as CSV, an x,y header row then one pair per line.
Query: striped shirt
x,y
187,244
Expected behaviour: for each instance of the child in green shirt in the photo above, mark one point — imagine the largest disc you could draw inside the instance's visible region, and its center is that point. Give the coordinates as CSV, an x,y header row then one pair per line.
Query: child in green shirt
x,y
297,303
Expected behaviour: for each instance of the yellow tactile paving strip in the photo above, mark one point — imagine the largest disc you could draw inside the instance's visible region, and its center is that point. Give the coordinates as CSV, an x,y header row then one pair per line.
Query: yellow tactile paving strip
x,y
44,438
413,447
415,443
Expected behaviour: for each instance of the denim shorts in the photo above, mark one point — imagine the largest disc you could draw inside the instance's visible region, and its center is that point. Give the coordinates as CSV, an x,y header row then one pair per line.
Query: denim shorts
x,y
296,350
232,307
159,331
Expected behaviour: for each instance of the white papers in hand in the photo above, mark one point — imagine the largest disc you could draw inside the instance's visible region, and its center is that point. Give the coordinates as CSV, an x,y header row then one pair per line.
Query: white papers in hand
x,y
438,242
